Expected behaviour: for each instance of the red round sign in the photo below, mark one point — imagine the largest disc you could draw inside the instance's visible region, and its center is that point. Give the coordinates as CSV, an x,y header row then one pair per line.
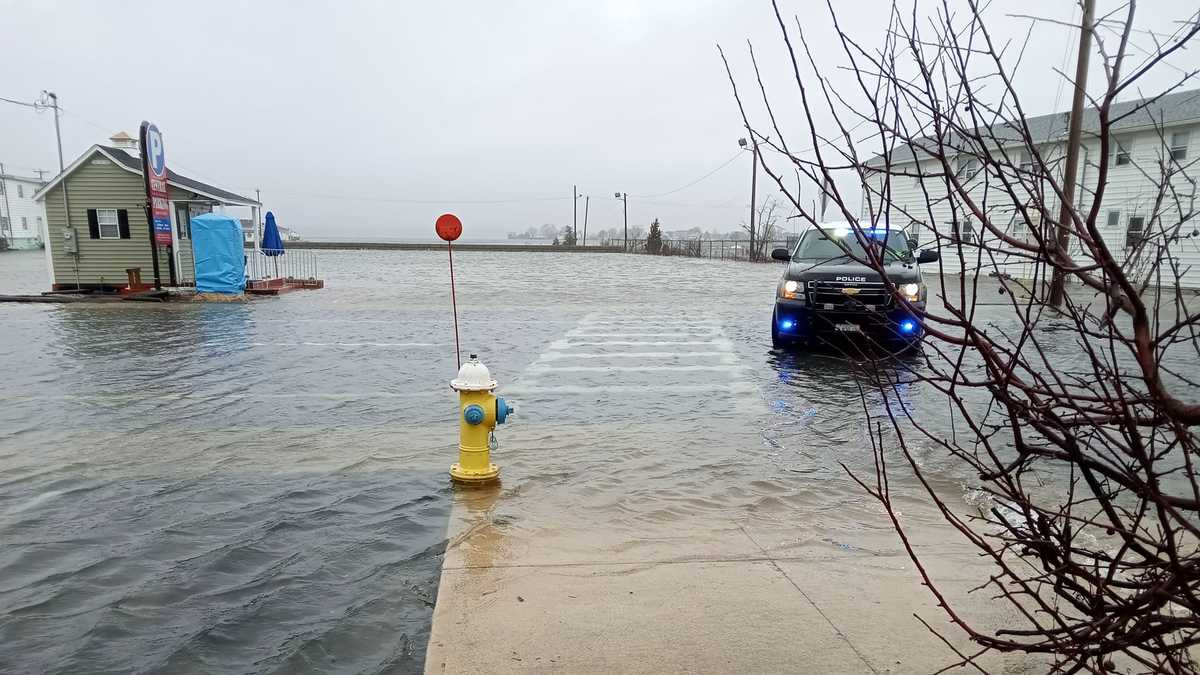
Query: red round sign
x,y
448,226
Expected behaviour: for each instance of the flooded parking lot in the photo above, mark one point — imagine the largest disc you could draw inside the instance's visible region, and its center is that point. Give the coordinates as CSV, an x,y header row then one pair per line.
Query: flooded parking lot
x,y
261,487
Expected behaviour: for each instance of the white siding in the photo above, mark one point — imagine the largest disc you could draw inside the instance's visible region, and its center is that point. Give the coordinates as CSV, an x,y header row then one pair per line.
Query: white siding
x,y
1131,191
27,216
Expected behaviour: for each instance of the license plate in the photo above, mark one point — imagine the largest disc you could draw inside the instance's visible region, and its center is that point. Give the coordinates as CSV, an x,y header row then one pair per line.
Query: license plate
x,y
848,327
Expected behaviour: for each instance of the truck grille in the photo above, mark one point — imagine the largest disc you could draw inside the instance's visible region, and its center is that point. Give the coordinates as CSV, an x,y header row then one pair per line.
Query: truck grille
x,y
831,295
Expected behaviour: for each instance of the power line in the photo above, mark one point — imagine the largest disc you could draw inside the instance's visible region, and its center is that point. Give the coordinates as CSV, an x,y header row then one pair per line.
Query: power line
x,y
669,192
14,101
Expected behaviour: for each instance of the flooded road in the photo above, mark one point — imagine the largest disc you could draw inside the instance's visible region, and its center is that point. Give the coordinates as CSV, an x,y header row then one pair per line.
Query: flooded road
x,y
261,487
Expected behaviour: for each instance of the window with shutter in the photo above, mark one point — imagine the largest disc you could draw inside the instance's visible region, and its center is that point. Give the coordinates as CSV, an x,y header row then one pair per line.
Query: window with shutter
x,y
107,224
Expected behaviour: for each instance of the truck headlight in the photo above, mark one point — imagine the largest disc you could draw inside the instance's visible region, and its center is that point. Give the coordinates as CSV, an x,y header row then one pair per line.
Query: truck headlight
x,y
790,289
911,292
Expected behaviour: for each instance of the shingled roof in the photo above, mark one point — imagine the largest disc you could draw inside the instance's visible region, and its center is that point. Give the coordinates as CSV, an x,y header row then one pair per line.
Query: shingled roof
x,y
134,165
1180,106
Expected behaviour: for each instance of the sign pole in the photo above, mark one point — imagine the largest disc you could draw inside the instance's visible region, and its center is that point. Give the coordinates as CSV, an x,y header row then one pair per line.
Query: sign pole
x,y
153,248
158,209
454,304
449,228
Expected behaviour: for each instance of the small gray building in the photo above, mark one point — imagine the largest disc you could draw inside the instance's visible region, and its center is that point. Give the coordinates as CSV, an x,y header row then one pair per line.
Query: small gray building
x,y
107,233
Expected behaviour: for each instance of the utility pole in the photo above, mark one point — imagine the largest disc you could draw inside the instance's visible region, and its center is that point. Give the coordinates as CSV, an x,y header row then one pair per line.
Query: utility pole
x,y
586,202
575,211
624,197
66,194
1059,279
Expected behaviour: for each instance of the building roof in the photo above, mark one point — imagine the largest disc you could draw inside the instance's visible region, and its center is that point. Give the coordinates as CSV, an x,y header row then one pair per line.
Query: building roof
x,y
120,136
1173,108
134,165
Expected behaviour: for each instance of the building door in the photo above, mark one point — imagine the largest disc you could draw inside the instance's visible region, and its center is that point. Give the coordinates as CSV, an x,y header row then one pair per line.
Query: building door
x,y
184,262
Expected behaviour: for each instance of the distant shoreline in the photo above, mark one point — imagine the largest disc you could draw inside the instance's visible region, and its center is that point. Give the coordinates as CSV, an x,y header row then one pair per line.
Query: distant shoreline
x,y
439,246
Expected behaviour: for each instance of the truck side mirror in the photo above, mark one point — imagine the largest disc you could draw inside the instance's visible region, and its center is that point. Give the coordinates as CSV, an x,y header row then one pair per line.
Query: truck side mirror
x,y
927,256
781,254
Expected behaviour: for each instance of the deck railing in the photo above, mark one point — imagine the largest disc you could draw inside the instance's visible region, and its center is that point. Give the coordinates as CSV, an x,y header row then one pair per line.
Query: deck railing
x,y
291,264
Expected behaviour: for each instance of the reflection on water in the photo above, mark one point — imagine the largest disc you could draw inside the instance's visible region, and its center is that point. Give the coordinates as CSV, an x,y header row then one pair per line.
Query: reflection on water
x,y
261,487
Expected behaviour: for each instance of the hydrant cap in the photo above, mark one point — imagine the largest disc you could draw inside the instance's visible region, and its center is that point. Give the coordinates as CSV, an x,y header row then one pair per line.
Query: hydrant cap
x,y
473,376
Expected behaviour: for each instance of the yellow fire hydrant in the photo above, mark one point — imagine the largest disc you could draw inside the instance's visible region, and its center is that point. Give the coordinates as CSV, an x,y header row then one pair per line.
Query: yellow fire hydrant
x,y
479,412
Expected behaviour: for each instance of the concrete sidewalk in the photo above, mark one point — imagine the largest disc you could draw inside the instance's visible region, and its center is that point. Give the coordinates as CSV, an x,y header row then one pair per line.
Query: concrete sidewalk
x,y
533,583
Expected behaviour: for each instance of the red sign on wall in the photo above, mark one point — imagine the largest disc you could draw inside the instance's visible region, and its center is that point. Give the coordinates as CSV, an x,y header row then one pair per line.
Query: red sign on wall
x,y
154,167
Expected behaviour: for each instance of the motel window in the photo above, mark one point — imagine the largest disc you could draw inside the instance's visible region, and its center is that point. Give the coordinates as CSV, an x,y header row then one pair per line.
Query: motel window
x,y
966,235
1114,219
1018,228
20,190
1135,232
1122,150
1179,145
24,223
967,168
1025,158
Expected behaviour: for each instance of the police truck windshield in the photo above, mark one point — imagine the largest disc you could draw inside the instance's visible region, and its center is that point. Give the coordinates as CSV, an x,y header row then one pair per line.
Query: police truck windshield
x,y
835,244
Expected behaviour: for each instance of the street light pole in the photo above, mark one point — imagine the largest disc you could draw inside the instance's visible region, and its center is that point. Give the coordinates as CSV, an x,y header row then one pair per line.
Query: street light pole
x,y
753,188
753,200
624,197
575,211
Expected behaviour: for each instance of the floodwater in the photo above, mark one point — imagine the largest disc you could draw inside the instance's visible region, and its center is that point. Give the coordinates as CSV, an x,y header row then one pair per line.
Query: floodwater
x,y
261,487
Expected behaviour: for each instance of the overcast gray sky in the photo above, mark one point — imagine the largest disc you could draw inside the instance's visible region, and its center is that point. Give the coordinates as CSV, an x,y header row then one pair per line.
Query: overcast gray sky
x,y
339,112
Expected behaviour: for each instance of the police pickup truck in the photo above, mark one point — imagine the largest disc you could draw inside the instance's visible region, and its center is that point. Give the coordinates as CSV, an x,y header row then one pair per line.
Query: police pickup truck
x,y
824,290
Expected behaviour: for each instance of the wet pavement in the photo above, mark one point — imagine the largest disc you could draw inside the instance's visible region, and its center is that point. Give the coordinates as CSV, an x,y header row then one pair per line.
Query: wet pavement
x,y
261,487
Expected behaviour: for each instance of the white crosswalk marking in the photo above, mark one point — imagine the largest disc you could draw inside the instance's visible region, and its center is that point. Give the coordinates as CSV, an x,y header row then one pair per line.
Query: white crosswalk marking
x,y
686,362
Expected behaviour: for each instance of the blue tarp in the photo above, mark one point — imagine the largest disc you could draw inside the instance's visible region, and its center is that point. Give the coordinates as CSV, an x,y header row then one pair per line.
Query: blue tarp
x,y
219,253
